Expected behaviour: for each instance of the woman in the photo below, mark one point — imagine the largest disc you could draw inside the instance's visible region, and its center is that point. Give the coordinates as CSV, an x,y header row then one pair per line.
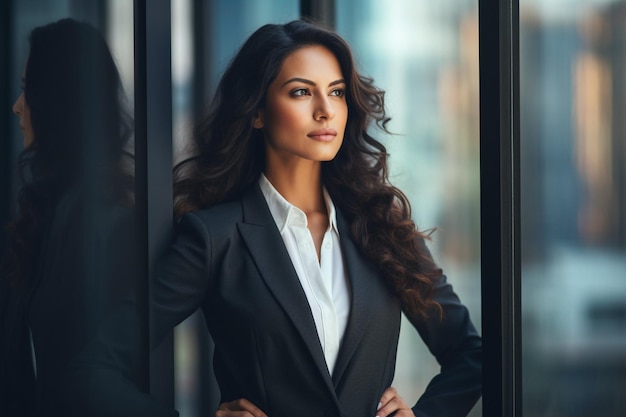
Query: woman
x,y
299,251
67,248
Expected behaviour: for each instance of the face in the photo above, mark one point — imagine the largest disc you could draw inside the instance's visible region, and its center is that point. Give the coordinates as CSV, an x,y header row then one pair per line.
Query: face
x,y
305,113
22,111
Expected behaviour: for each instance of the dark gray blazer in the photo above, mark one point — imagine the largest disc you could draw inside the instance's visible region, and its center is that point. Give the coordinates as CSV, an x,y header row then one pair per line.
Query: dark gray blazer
x,y
230,261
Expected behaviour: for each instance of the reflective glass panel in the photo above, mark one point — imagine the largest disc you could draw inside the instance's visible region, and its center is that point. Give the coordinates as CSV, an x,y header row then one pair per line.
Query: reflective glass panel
x,y
573,168
70,263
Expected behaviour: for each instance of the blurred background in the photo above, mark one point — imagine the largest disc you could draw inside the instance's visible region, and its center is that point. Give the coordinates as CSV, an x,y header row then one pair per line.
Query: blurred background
x,y
425,55
573,194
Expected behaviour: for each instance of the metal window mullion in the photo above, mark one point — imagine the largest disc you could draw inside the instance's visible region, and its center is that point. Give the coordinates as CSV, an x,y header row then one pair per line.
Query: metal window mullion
x,y
153,163
500,239
320,10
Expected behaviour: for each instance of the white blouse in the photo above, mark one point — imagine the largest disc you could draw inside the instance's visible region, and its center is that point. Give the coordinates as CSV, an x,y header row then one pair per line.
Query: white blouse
x,y
325,282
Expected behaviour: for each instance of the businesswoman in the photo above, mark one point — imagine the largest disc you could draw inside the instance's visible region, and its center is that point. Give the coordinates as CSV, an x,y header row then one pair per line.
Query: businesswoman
x,y
66,244
297,248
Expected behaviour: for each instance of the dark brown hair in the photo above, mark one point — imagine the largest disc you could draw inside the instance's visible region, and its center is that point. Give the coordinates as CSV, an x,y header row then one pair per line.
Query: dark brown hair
x,y
229,157
81,126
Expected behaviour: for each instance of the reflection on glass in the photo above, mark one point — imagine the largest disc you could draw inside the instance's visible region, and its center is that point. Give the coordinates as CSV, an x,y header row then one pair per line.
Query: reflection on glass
x,y
425,55
573,155
70,258
119,33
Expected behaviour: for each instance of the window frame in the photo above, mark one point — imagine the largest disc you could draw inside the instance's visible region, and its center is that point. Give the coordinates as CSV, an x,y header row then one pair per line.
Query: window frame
x,y
500,206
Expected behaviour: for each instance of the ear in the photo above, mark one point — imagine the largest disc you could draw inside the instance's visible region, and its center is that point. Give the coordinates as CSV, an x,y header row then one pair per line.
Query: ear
x,y
257,122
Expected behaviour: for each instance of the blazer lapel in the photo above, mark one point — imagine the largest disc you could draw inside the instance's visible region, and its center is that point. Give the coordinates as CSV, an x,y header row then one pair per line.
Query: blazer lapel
x,y
363,283
266,246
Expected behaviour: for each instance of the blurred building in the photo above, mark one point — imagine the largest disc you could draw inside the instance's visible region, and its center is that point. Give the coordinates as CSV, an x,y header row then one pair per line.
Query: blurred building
x,y
573,91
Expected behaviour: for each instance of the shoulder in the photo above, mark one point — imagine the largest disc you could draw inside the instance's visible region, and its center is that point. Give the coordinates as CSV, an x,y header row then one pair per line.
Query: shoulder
x,y
249,207
216,220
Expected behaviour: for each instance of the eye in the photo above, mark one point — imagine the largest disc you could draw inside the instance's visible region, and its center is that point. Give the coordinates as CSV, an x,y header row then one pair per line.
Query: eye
x,y
339,92
300,92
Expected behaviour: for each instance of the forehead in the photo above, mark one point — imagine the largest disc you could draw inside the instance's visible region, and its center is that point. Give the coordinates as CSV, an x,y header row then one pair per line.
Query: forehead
x,y
312,61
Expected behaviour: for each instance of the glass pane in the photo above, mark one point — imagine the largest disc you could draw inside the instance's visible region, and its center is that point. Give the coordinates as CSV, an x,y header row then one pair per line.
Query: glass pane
x,y
71,249
424,54
573,156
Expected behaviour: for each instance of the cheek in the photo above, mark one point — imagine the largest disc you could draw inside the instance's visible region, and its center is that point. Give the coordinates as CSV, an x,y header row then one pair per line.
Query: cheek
x,y
286,117
26,116
341,118
345,115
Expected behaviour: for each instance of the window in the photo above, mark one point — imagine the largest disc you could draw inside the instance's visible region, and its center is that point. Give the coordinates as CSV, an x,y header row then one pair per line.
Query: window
x,y
573,172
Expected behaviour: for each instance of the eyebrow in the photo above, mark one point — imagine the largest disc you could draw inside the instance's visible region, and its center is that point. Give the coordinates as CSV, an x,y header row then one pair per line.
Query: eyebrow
x,y
309,82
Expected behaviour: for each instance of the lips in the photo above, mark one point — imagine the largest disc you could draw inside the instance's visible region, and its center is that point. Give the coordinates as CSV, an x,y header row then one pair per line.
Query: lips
x,y
323,135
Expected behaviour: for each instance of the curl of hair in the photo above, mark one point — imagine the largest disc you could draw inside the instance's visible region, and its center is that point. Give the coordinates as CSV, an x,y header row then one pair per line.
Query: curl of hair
x,y
229,157
80,125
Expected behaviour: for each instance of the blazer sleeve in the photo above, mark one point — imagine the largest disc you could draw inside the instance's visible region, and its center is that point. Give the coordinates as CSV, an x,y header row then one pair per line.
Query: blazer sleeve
x,y
181,278
102,375
105,377
456,345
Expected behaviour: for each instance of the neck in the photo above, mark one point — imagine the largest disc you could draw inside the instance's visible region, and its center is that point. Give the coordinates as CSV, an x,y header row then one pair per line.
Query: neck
x,y
300,184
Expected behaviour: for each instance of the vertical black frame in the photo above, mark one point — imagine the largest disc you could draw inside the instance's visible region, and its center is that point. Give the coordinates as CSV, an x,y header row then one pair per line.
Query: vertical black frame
x,y
209,398
319,10
201,45
6,113
500,212
153,162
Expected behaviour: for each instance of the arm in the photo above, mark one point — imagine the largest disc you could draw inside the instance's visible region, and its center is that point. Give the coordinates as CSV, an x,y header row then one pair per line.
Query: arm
x,y
104,374
458,348
181,278
105,377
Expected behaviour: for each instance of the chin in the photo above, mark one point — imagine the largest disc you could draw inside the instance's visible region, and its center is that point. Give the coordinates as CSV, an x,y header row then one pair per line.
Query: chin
x,y
326,158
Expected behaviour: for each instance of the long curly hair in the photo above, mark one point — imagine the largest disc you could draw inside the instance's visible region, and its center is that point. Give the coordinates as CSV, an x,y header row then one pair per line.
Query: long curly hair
x,y
229,157
80,126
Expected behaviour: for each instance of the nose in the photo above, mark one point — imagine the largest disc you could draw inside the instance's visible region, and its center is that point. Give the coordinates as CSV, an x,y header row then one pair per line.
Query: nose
x,y
17,106
324,109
